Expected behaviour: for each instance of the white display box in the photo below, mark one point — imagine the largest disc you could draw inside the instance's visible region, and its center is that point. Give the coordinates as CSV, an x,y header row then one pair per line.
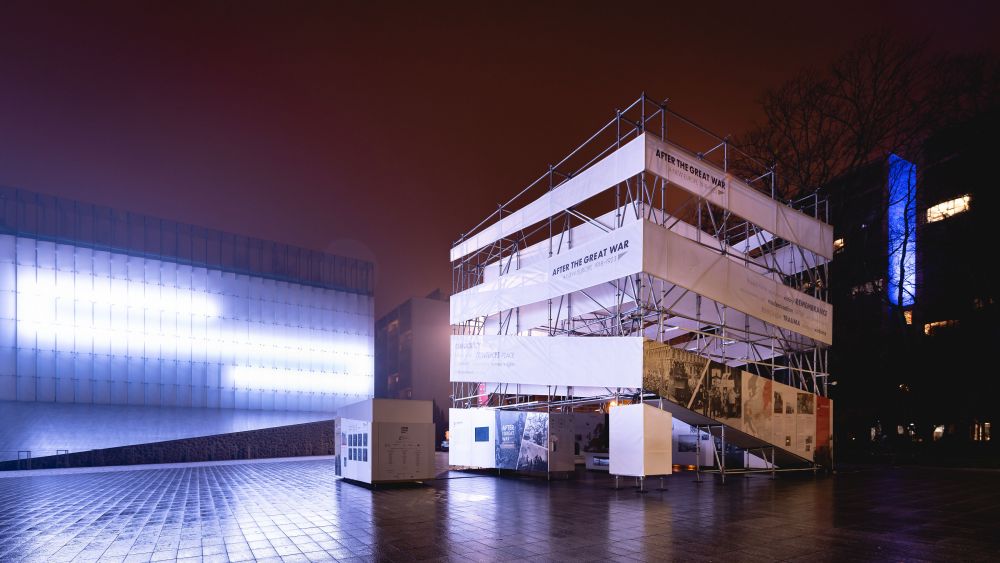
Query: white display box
x,y
386,441
640,441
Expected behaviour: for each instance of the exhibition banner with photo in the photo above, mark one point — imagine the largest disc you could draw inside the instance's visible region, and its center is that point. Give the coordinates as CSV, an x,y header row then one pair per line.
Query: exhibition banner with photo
x,y
757,405
805,424
514,440
783,417
522,440
613,361
787,417
562,456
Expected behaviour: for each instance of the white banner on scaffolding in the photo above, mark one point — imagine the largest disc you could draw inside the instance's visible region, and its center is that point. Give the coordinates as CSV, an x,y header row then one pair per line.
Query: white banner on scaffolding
x,y
706,180
708,273
615,168
606,258
612,361
641,246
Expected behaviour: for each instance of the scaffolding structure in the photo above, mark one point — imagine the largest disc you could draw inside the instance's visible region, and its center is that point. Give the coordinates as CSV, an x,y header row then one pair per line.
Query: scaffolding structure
x,y
645,305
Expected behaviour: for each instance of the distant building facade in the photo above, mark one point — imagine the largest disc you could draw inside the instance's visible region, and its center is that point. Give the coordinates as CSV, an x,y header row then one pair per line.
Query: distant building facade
x,y
412,355
916,305
99,306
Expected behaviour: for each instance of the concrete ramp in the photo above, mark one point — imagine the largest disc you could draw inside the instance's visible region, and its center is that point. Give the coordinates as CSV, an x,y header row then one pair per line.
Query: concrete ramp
x,y
782,458
753,412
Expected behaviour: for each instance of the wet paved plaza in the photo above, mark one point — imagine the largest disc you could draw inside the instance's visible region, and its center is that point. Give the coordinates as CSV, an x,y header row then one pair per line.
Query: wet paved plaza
x,y
295,510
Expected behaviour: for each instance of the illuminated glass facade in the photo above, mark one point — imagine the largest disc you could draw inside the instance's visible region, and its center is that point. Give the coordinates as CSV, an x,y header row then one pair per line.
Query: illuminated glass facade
x,y
105,307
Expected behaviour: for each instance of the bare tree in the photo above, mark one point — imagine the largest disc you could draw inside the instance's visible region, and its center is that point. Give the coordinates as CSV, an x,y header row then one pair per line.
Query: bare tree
x,y
868,115
882,97
819,126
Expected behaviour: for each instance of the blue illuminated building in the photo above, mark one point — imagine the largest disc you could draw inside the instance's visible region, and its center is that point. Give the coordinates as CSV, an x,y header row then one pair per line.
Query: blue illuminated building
x,y
914,294
902,231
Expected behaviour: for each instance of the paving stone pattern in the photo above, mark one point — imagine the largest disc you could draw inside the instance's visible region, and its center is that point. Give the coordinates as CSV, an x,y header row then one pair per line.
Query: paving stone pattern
x,y
298,511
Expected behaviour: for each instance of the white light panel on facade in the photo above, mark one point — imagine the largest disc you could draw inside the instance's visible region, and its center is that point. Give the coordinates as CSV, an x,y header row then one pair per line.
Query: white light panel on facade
x,y
87,326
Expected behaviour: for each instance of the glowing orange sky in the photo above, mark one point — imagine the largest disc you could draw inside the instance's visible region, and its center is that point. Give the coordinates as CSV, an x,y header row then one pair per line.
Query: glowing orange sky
x,y
377,129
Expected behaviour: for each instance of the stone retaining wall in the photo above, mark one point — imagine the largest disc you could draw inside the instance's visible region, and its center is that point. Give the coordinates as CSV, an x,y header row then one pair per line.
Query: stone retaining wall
x,y
311,438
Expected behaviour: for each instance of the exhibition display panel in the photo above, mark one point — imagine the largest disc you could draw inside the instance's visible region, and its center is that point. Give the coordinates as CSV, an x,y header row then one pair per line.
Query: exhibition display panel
x,y
528,441
385,441
648,282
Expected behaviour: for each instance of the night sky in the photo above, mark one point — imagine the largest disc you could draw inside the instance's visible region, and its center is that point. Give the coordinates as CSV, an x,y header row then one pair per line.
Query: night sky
x,y
382,130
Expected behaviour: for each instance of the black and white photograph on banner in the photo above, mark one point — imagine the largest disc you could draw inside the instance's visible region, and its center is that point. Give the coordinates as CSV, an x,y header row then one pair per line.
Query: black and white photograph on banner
x,y
805,403
534,451
590,432
725,393
688,386
783,429
522,440
757,398
676,374
687,443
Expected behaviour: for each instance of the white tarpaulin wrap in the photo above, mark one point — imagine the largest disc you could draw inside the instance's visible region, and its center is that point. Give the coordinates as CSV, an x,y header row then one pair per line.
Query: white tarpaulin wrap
x,y
612,361
641,246
649,154
609,257
640,441
706,180
612,169
692,266
472,441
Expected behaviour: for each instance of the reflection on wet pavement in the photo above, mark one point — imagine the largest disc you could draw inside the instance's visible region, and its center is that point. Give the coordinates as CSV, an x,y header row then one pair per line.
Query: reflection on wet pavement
x,y
296,510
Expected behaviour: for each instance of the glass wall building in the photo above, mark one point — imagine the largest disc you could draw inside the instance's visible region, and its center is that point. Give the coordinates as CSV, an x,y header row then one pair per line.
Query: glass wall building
x,y
99,306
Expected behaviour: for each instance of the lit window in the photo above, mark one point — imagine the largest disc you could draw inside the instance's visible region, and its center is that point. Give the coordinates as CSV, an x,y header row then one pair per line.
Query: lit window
x,y
868,288
931,328
948,208
838,245
908,315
